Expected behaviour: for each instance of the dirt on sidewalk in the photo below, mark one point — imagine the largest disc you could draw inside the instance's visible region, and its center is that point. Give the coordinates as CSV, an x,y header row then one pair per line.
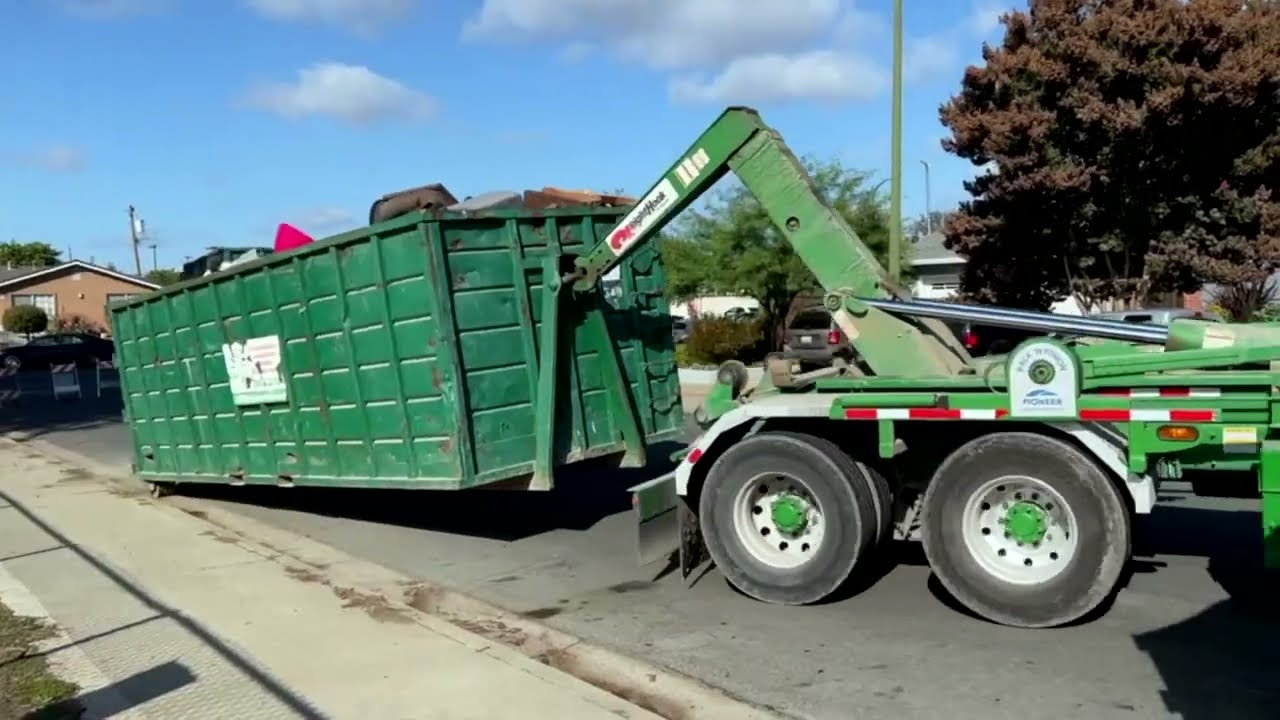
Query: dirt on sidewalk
x,y
28,689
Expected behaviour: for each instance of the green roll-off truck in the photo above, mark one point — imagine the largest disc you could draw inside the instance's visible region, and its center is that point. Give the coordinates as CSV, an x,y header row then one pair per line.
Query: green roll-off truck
x,y
1020,474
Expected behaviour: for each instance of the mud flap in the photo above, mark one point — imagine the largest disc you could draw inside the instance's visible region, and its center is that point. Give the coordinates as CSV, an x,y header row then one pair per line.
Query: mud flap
x,y
666,525
656,505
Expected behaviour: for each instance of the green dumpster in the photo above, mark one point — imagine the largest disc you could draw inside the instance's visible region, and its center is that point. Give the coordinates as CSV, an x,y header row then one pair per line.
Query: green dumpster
x,y
422,352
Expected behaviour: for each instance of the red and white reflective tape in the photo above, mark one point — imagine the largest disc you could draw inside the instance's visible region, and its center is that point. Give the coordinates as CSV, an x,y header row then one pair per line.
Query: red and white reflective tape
x,y
926,413
1164,392
62,369
1127,415
1118,415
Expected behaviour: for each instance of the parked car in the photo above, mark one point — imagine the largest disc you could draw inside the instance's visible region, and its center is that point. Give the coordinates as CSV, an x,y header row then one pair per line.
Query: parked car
x,y
679,329
813,338
57,348
1156,316
741,313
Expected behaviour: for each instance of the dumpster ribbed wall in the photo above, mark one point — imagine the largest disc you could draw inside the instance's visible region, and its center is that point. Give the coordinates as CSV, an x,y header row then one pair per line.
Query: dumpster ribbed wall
x,y
407,358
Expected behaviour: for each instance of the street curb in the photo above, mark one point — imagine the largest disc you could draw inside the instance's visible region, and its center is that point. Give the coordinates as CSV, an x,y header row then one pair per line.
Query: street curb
x,y
660,690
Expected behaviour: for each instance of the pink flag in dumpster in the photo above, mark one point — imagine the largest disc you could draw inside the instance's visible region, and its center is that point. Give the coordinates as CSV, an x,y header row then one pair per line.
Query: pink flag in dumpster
x,y
289,237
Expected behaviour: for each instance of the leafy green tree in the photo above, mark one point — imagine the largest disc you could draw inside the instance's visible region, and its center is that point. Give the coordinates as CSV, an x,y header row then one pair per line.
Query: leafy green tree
x,y
1127,148
25,319
28,254
162,276
732,247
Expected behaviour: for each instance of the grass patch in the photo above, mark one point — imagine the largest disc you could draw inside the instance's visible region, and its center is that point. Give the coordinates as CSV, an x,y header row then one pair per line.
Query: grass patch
x,y
28,691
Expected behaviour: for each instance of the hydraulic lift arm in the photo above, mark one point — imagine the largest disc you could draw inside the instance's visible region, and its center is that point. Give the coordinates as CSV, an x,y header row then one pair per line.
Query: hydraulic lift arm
x,y
844,267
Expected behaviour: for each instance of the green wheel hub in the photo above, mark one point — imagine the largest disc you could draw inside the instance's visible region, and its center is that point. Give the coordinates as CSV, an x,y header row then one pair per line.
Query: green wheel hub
x,y
1025,522
790,514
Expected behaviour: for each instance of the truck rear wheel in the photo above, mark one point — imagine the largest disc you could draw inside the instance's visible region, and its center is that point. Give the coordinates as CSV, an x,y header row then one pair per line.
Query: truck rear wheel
x,y
1025,530
787,517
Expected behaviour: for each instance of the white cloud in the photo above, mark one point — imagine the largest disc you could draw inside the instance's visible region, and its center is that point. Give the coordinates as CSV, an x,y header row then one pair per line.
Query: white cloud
x,y
985,17
57,159
928,57
856,25
351,93
937,56
824,75
663,34
361,16
740,50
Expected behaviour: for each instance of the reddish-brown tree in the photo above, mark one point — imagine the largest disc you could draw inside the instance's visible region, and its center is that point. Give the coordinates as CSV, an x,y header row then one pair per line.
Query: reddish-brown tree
x,y
1129,147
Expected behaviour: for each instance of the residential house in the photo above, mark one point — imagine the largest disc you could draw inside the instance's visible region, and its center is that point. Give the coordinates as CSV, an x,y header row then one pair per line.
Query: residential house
x,y
936,269
72,289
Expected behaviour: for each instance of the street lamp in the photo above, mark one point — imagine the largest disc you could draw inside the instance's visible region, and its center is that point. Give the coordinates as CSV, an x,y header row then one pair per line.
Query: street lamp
x,y
895,193
928,205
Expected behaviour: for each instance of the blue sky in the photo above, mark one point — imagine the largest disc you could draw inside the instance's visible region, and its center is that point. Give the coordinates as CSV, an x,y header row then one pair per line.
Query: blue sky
x,y
220,118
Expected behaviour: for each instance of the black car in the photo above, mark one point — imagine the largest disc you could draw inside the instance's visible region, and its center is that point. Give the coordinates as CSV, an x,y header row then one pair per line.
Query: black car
x,y
57,348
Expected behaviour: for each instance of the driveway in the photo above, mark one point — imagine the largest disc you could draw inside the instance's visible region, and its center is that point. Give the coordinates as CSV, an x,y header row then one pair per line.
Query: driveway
x,y
1183,639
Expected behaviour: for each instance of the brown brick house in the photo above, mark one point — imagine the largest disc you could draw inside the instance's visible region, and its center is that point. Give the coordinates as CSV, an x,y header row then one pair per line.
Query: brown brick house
x,y
72,289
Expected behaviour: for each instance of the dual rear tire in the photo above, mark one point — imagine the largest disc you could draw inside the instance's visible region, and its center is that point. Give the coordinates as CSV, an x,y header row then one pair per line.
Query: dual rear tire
x,y
1022,529
789,517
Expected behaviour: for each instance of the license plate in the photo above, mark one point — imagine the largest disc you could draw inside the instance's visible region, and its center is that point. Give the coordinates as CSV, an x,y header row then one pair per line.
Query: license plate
x,y
805,339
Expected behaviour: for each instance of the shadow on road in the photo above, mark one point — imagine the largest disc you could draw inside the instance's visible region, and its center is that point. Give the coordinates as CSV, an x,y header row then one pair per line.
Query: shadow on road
x,y
584,494
1220,662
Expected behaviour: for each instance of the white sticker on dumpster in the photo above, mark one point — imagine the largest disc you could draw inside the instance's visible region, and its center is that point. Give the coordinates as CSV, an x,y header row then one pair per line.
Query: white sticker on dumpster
x,y
253,367
652,208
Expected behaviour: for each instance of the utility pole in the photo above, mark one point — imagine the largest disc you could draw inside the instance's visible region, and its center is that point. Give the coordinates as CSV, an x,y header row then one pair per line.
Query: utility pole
x,y
133,235
895,177
928,204
154,263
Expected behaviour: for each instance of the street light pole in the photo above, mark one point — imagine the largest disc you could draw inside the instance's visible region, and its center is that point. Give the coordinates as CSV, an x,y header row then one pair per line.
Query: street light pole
x,y
133,237
928,203
895,177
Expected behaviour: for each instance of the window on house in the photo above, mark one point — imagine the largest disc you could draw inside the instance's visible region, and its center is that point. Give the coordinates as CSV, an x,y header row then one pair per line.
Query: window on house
x,y
119,297
47,303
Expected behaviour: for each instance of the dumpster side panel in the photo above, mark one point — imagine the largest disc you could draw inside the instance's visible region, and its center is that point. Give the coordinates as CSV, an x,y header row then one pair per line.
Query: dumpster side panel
x,y
363,396
400,355
495,268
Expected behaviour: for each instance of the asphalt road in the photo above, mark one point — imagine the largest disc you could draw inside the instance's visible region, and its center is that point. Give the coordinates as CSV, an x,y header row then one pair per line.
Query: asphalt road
x,y
1186,638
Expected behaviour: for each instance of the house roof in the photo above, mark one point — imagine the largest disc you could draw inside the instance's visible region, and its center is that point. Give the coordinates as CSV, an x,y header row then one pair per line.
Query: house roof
x,y
9,276
931,250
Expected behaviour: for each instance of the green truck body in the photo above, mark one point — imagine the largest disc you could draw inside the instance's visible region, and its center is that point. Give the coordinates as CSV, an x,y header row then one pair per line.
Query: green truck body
x,y
401,355
1020,474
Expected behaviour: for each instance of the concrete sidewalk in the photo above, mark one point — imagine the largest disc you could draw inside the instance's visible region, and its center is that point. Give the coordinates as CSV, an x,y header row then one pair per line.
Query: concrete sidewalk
x,y
163,617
